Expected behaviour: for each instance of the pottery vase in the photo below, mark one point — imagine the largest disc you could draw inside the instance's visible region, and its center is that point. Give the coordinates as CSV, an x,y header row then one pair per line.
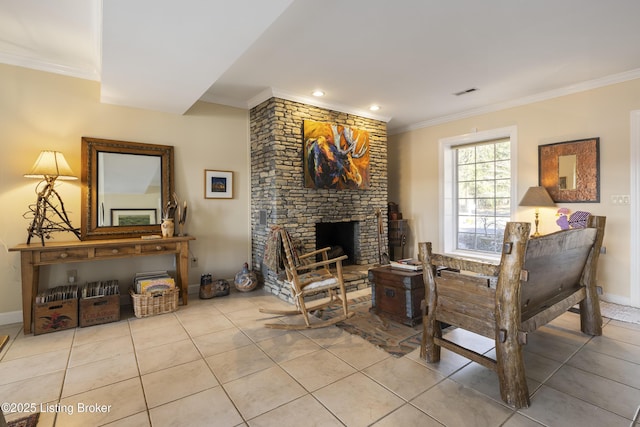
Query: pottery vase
x,y
168,227
246,279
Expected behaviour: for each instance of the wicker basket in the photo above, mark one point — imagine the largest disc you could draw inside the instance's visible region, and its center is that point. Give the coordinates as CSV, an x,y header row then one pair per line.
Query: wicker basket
x,y
150,304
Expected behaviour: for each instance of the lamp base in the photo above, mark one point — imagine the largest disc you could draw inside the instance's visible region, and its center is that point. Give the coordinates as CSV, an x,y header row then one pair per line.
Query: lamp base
x,y
536,234
49,214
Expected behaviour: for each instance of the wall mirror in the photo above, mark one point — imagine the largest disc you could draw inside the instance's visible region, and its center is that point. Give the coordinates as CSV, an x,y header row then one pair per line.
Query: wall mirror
x,y
125,186
570,171
567,172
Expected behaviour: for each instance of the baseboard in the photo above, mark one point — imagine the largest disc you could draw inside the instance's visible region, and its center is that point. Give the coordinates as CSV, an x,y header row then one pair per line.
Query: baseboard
x,y
11,317
125,299
616,299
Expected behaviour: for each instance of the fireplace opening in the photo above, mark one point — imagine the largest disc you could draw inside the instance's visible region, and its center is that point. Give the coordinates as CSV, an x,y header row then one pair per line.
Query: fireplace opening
x,y
340,236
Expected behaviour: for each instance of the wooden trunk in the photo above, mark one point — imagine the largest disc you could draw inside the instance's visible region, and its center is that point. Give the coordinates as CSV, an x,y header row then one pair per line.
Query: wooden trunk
x,y
397,294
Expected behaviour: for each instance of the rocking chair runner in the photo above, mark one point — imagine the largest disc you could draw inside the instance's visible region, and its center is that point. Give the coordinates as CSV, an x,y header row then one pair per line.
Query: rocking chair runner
x,y
311,278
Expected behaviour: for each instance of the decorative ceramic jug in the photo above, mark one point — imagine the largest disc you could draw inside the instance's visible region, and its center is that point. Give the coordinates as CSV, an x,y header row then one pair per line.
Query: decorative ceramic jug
x,y
168,227
246,279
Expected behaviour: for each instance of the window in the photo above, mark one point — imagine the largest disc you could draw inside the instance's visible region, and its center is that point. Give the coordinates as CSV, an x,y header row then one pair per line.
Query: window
x,y
483,196
478,188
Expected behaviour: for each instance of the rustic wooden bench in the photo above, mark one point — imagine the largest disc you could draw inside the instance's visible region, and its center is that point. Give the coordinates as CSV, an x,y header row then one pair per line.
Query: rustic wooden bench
x,y
536,280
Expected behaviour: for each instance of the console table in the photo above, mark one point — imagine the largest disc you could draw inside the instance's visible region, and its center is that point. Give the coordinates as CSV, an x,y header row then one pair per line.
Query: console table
x,y
33,255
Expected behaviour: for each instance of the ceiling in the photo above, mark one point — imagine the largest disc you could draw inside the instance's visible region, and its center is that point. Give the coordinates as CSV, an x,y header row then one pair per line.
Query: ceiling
x,y
409,56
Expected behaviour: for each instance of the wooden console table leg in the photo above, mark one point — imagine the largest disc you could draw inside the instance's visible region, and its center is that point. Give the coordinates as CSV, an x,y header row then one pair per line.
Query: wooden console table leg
x,y
30,280
182,267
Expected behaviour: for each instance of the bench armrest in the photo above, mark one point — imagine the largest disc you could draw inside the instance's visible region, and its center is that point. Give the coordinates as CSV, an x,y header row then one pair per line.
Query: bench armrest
x,y
485,268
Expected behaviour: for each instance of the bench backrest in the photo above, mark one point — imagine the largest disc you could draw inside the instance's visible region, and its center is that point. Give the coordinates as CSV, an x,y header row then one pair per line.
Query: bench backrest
x,y
554,265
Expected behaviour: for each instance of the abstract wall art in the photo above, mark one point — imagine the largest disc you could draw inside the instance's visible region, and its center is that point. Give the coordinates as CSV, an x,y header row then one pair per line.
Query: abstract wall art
x,y
335,156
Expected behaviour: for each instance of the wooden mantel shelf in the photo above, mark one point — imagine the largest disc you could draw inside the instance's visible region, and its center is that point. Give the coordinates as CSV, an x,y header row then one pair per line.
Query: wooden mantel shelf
x,y
33,255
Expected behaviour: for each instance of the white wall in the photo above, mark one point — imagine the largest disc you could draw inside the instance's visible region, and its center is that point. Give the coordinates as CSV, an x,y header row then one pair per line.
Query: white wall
x,y
603,112
40,111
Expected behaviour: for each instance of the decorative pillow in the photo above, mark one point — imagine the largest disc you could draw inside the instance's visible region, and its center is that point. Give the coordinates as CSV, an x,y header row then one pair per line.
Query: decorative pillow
x,y
579,219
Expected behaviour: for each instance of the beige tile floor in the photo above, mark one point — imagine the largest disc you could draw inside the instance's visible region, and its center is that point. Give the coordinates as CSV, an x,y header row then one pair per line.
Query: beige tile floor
x,y
212,363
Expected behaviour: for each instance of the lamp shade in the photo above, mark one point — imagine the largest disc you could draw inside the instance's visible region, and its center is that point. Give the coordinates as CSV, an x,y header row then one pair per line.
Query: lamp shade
x,y
51,164
537,197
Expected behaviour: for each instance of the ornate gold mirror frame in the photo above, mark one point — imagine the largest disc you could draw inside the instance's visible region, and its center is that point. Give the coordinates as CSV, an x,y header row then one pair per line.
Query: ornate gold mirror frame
x,y
96,220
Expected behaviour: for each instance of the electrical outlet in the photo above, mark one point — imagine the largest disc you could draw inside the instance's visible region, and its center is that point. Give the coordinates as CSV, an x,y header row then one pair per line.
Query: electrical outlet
x,y
194,261
72,276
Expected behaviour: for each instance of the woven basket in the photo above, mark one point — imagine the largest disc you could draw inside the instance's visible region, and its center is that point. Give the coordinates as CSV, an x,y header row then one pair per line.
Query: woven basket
x,y
150,304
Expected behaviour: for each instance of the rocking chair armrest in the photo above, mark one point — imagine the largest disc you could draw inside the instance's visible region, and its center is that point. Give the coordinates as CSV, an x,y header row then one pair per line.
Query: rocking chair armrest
x,y
321,263
317,251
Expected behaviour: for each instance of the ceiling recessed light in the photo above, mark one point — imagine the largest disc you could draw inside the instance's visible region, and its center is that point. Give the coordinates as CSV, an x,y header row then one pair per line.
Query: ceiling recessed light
x,y
374,107
318,93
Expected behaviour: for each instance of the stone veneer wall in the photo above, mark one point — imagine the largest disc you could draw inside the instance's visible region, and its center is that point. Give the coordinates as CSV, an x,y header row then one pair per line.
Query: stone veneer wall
x,y
278,194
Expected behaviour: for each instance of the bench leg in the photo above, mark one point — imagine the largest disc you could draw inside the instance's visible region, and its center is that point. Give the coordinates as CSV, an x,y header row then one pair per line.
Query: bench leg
x,y
509,358
590,316
510,366
431,329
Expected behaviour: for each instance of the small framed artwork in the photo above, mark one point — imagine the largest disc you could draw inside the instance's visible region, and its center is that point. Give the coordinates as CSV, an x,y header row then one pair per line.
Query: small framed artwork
x,y
570,171
128,217
218,184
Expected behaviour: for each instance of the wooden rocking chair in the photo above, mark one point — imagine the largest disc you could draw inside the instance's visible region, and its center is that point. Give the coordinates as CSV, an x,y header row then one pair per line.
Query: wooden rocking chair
x,y
311,278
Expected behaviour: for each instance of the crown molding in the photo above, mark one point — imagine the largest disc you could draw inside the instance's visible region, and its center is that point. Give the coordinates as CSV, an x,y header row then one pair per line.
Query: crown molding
x,y
50,67
556,93
277,93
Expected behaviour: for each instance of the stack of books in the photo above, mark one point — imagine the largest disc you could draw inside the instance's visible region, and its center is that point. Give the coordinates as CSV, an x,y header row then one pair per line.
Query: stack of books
x,y
153,281
407,264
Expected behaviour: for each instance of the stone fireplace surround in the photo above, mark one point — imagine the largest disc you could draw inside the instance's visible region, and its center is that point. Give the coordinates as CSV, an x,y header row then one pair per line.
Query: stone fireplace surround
x,y
278,194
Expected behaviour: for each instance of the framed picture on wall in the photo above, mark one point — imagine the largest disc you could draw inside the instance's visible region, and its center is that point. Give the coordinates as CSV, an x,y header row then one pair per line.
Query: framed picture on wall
x,y
570,171
126,216
218,184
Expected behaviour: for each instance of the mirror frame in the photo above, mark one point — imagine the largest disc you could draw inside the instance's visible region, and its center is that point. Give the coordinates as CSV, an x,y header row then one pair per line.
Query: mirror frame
x,y
89,210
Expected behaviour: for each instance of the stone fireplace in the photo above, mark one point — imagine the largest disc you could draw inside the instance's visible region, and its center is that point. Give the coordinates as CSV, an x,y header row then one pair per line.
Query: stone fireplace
x,y
280,198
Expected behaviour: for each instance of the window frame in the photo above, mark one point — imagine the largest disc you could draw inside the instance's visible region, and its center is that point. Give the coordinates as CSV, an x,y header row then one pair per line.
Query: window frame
x,y
448,218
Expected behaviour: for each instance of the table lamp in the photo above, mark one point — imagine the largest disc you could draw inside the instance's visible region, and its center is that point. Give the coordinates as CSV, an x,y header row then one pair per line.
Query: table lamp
x,y
48,212
537,197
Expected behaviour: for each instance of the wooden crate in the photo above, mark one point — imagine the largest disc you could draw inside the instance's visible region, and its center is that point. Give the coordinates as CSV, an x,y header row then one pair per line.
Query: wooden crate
x,y
55,316
397,294
99,310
